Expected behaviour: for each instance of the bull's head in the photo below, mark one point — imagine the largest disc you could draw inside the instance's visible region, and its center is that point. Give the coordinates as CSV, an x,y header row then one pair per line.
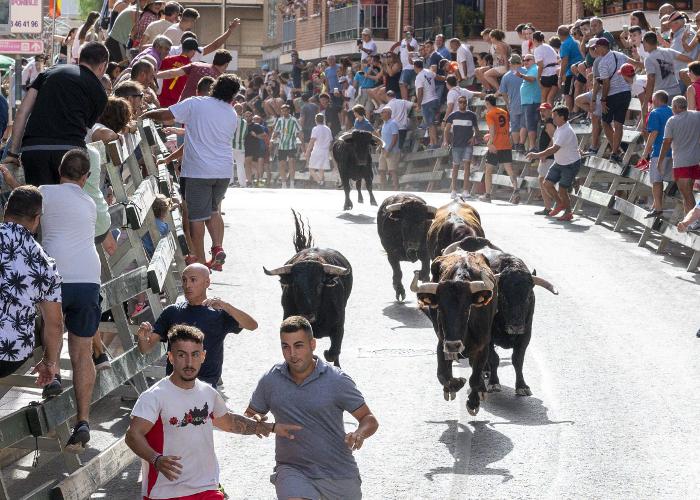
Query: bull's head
x,y
305,282
361,141
413,216
450,302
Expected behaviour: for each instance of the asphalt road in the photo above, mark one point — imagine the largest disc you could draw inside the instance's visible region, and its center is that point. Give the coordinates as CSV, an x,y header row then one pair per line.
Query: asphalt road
x,y
613,363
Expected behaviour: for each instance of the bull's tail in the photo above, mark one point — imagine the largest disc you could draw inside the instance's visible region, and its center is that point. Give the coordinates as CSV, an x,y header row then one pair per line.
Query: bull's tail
x,y
302,233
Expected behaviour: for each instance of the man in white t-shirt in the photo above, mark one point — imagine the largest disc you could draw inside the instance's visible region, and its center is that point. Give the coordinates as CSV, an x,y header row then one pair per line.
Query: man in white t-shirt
x,y
68,235
427,99
399,113
187,21
210,126
465,62
171,15
215,44
454,92
406,47
172,425
367,46
567,162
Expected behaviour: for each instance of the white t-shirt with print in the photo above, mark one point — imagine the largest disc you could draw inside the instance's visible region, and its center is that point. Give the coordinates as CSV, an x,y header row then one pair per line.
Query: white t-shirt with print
x,y
426,80
183,427
404,50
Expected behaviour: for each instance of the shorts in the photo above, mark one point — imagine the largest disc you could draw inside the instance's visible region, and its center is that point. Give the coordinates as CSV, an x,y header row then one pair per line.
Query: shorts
x,y
81,308
461,154
402,137
10,367
430,111
618,104
563,174
254,153
292,483
203,197
568,85
99,239
655,176
543,166
204,495
307,135
388,161
549,81
692,172
581,78
286,154
598,109
408,77
517,122
41,166
500,156
182,188
531,113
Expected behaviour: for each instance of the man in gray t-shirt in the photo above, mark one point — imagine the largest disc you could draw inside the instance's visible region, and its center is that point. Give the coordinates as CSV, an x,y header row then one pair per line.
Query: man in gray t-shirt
x,y
660,67
309,392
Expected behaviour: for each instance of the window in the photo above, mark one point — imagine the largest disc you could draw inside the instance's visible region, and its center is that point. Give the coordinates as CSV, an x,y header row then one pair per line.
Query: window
x,y
272,19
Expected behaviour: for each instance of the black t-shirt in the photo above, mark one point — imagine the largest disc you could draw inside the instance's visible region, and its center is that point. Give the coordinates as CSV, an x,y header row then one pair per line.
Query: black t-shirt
x,y
70,100
252,143
545,139
463,124
296,73
214,324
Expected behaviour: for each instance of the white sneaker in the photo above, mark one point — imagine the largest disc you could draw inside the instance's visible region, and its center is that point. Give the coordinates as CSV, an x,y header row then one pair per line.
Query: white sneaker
x,y
291,184
466,195
695,226
453,194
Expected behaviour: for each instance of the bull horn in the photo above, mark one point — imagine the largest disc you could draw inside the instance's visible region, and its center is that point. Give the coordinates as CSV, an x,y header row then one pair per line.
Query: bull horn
x,y
280,270
544,284
335,270
345,136
431,209
451,248
486,284
430,288
394,207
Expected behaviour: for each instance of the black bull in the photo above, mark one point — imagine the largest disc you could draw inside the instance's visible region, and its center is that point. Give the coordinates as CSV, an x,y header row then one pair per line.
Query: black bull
x,y
402,224
353,154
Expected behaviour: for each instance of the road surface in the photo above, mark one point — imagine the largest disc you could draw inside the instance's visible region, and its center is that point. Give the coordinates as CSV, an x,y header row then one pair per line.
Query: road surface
x,y
613,363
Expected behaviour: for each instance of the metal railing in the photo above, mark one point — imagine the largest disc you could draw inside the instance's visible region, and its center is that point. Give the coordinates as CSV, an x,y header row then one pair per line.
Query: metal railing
x,y
611,7
346,23
289,34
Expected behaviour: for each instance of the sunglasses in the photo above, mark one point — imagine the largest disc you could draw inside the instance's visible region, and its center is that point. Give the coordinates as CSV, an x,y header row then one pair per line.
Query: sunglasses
x,y
136,95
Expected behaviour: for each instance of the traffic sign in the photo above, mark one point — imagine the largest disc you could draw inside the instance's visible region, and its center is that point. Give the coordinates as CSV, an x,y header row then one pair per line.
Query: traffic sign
x,y
25,16
21,47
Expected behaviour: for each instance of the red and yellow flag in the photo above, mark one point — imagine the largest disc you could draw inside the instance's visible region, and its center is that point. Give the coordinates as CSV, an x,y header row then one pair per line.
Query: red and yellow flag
x,y
54,8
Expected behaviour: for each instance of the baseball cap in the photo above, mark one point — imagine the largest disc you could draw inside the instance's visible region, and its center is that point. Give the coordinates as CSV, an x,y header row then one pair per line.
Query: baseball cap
x,y
545,105
190,44
515,59
366,31
626,70
602,42
592,43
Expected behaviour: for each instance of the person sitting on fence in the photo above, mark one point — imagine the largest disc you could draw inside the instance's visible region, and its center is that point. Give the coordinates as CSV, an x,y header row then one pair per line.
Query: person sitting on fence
x,y
567,161
546,135
407,46
462,123
510,91
215,317
68,235
318,150
499,149
691,222
28,279
656,124
389,157
683,133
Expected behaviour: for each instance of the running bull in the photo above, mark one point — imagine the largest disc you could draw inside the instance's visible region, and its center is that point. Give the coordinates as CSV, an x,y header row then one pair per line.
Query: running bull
x,y
402,224
353,154
452,223
316,284
512,325
459,302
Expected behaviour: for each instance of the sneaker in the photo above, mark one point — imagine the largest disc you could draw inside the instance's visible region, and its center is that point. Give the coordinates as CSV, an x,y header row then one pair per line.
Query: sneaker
x,y
520,148
486,198
291,184
214,265
568,216
515,197
591,152
555,211
140,308
453,195
695,226
532,150
616,158
466,195
80,437
218,255
653,214
53,388
101,362
544,211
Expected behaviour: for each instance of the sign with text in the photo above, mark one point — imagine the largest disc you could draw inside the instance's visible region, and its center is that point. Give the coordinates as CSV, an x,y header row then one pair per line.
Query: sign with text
x,y
21,47
25,16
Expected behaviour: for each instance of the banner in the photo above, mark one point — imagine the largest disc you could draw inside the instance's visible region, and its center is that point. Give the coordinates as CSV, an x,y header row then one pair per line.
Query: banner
x,y
54,8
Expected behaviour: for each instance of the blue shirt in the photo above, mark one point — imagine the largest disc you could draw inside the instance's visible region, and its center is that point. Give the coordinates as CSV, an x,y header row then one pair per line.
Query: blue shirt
x,y
148,242
569,48
367,83
444,52
510,85
389,130
657,122
530,91
363,125
331,73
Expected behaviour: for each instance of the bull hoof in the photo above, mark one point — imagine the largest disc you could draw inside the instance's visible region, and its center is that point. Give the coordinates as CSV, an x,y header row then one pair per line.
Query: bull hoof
x,y
373,203
331,358
494,388
523,391
347,206
472,411
360,200
449,395
400,294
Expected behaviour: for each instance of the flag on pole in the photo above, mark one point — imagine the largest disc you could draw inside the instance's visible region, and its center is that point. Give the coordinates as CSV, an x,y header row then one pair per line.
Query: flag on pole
x,y
55,8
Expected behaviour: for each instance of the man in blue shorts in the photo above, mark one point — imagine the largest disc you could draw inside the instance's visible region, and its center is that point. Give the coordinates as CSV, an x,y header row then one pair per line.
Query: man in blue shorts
x,y
306,390
510,91
406,47
462,124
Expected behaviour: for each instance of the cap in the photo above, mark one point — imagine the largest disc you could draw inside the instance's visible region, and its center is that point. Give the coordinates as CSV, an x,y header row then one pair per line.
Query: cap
x,y
592,43
515,59
366,31
602,42
626,70
191,44
265,67
545,105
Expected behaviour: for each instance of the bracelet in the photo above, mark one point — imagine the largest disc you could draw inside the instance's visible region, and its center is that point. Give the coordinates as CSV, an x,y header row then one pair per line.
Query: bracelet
x,y
273,427
154,460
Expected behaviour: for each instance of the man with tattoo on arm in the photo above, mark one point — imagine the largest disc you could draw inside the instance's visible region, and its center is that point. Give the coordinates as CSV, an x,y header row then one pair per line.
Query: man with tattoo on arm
x,y
172,426
318,463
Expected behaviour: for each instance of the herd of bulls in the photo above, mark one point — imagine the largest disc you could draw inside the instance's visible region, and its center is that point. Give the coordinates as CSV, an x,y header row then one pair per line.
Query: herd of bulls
x,y
476,295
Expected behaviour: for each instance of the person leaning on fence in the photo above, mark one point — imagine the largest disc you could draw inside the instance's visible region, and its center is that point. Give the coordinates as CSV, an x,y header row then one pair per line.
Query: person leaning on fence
x,y
28,279
683,133
462,124
172,426
544,141
60,106
499,149
390,155
567,162
465,62
68,235
400,110
314,394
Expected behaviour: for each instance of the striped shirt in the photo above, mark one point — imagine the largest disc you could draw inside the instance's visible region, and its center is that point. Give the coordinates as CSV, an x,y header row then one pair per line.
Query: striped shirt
x,y
287,130
239,137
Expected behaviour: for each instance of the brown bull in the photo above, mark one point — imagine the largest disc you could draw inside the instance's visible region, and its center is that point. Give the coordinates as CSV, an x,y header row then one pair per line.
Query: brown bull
x,y
453,222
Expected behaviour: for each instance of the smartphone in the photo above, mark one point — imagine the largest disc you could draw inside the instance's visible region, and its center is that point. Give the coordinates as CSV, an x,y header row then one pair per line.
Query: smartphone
x,y
625,28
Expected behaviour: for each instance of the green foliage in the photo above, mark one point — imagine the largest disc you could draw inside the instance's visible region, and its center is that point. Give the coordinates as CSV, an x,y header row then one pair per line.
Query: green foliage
x,y
467,20
594,6
87,6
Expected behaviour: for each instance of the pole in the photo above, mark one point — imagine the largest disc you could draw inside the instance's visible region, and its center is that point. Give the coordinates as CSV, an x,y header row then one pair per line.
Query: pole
x,y
17,84
223,16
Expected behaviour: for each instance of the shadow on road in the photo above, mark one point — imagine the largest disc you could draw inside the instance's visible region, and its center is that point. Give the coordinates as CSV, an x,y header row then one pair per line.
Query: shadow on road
x,y
568,226
356,218
518,410
408,314
473,447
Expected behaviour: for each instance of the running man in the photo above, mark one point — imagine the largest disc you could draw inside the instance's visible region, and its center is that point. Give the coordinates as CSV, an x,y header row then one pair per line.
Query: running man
x,y
287,130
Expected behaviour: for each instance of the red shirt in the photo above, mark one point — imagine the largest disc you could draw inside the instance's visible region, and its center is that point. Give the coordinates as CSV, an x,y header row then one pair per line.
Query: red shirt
x,y
195,71
172,88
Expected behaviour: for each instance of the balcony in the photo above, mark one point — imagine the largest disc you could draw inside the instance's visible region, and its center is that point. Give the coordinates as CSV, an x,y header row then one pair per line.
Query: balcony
x,y
611,7
289,33
347,21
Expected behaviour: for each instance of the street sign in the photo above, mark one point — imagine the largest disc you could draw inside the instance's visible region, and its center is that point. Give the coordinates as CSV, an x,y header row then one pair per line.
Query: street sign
x,y
21,47
25,16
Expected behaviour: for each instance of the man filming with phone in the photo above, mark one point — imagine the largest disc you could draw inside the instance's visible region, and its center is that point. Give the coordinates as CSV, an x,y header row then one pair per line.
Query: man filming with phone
x,y
366,45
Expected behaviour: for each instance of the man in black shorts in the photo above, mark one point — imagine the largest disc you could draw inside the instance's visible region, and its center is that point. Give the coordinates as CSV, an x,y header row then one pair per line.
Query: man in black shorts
x,y
253,151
